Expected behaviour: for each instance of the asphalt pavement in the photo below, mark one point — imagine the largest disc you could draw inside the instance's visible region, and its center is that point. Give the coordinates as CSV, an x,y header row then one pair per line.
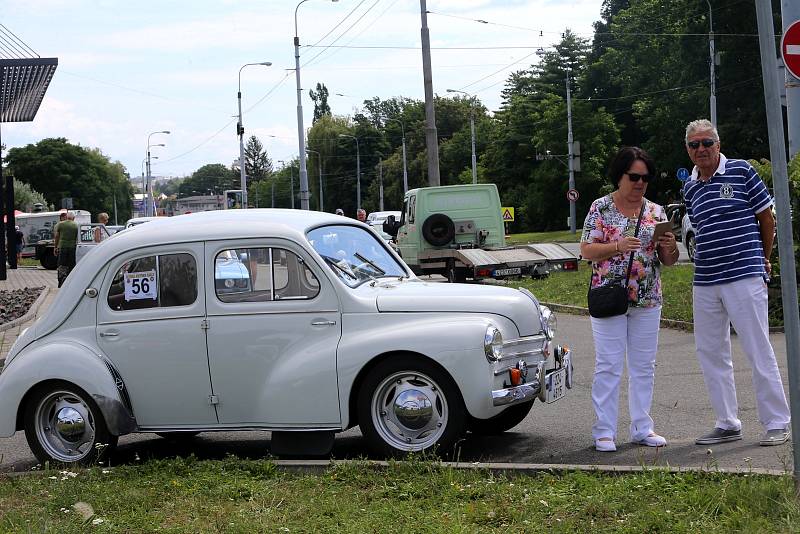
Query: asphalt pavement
x,y
559,433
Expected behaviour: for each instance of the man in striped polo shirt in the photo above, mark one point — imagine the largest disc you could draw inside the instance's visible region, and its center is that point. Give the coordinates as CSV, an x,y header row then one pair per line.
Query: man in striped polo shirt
x,y
729,207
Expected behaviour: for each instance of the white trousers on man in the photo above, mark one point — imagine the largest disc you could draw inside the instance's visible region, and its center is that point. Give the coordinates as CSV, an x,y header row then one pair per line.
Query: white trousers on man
x,y
634,334
742,303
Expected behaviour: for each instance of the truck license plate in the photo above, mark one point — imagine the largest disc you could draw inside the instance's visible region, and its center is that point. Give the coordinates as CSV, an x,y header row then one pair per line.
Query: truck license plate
x,y
507,272
556,385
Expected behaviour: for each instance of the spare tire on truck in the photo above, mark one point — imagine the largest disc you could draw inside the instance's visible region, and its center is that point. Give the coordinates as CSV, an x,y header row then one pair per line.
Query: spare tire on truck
x,y
438,229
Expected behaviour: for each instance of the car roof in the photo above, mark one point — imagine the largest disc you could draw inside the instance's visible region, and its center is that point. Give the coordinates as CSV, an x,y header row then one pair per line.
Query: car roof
x,y
200,226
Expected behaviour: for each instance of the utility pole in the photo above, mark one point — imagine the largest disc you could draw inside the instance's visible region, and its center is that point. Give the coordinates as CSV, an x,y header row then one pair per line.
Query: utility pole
x,y
790,12
380,183
431,138
780,183
712,100
570,161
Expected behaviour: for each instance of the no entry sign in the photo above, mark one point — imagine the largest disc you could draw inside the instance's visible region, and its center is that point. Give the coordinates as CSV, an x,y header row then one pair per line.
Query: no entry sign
x,y
790,48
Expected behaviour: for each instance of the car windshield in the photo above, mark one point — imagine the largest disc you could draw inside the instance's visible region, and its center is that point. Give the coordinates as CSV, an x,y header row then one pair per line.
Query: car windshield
x,y
354,254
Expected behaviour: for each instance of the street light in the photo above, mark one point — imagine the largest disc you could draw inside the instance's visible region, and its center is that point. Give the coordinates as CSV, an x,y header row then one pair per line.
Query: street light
x,y
405,169
240,132
321,204
472,131
358,170
571,158
149,197
144,185
301,141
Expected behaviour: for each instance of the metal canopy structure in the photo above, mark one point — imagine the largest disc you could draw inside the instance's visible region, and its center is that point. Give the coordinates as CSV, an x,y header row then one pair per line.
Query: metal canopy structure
x,y
23,83
24,78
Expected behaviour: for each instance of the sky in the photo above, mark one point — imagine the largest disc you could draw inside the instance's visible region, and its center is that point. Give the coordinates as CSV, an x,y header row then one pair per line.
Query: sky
x,y
126,69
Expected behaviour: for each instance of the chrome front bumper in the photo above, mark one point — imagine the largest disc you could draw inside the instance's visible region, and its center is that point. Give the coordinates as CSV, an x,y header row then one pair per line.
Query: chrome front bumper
x,y
535,387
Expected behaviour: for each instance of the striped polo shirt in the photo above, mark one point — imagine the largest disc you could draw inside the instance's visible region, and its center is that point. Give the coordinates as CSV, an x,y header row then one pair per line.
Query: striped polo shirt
x,y
722,211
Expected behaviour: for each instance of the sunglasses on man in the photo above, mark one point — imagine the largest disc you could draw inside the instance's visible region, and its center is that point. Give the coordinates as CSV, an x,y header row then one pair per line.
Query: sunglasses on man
x,y
708,143
636,177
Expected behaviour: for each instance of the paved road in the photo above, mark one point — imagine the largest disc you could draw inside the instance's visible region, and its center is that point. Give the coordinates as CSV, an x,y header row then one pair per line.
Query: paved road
x,y
557,433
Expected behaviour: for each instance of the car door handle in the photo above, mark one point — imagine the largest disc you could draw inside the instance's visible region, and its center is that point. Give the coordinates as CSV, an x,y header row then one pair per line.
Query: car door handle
x,y
109,334
323,323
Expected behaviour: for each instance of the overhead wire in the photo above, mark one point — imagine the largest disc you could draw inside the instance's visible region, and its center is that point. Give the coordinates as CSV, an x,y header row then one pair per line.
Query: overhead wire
x,y
326,47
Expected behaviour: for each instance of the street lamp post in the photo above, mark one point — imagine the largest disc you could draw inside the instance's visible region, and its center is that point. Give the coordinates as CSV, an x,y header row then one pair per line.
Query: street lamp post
x,y
301,140
149,198
472,131
570,159
405,169
240,132
358,171
319,156
713,98
144,183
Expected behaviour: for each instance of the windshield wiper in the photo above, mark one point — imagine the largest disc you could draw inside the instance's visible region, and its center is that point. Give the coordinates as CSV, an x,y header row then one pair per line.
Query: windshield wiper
x,y
335,263
371,263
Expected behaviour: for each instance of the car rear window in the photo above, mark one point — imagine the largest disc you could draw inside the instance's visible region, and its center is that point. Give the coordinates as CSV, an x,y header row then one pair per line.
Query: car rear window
x,y
154,282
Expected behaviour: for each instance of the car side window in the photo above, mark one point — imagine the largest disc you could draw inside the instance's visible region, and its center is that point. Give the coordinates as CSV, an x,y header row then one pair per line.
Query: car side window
x,y
262,275
159,281
412,203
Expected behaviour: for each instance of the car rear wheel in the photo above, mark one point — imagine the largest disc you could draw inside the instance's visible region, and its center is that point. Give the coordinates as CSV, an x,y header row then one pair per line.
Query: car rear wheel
x,y
63,424
506,420
691,245
409,404
49,260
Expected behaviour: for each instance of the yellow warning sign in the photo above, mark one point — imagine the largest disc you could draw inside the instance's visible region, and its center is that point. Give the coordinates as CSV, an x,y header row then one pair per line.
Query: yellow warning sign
x,y
508,214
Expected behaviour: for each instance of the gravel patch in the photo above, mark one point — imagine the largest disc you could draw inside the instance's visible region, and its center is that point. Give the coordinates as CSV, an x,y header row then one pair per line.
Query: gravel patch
x,y
16,302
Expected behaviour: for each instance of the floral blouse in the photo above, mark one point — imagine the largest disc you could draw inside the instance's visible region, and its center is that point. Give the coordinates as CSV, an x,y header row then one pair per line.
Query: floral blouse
x,y
605,224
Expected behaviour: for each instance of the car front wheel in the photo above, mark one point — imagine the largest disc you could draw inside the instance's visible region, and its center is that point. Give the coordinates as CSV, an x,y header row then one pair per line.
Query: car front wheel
x,y
506,420
409,404
691,245
63,424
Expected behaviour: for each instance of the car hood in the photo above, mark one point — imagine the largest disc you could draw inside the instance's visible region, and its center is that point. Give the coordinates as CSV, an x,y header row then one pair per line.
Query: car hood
x,y
419,296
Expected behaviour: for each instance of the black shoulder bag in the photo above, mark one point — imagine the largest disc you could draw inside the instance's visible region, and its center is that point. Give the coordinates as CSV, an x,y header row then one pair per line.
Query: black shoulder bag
x,y
612,299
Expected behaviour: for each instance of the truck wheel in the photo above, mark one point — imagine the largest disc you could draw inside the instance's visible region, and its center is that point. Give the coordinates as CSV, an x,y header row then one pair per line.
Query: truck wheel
x,y
63,424
49,260
455,275
505,420
408,404
691,245
438,229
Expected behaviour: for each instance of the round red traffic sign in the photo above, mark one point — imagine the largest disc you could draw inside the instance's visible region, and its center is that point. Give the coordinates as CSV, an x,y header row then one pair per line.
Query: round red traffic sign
x,y
790,48
572,195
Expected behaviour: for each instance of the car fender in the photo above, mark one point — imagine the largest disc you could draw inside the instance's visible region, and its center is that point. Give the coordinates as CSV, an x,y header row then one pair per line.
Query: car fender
x,y
69,362
444,339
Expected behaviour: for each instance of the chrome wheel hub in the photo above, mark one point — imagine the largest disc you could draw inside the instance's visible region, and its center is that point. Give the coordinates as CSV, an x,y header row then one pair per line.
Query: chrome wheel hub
x,y
409,411
65,426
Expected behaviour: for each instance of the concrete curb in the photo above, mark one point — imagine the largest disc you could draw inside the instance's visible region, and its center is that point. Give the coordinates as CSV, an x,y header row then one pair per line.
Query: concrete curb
x,y
497,468
30,314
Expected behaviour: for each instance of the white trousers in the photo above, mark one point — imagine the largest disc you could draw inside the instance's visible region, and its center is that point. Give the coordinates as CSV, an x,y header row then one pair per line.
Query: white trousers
x,y
634,334
742,303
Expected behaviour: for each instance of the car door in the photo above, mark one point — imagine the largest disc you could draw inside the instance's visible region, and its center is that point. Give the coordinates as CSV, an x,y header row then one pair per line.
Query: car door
x,y
272,337
151,325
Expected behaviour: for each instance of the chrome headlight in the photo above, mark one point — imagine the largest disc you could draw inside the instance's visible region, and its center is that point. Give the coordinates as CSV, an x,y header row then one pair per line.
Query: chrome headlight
x,y
549,322
493,344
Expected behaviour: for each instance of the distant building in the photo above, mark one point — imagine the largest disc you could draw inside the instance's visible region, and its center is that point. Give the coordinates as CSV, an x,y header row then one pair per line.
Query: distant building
x,y
198,203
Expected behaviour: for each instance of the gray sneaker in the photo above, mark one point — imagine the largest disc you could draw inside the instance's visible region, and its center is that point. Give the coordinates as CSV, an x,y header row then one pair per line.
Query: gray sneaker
x,y
719,435
776,436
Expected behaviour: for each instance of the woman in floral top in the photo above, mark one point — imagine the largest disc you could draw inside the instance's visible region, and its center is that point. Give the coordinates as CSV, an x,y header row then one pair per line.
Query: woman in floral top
x,y
607,241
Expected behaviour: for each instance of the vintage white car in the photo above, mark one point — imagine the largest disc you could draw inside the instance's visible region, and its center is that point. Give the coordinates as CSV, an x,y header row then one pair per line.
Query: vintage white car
x,y
330,330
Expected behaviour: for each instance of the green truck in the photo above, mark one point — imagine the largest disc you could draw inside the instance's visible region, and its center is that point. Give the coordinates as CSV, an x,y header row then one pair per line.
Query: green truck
x,y
458,231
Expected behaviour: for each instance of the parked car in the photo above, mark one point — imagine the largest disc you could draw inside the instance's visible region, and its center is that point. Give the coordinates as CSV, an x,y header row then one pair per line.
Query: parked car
x,y
331,330
689,236
377,218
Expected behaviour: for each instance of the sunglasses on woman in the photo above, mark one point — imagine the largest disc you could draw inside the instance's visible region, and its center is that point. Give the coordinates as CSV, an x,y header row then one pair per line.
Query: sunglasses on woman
x,y
708,143
636,177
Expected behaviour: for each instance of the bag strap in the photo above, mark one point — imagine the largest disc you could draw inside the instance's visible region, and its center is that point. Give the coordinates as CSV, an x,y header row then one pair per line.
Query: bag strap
x,y
635,233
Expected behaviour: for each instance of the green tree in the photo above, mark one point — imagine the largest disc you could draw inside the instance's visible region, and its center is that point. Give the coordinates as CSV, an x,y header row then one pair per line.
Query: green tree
x,y
320,98
214,177
59,169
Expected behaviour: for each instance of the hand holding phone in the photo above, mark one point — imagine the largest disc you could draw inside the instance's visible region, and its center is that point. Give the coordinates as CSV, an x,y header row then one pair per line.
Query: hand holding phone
x,y
661,228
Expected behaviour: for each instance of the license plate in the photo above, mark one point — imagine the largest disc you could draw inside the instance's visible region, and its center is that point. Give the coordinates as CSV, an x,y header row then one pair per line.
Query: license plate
x,y
556,385
507,272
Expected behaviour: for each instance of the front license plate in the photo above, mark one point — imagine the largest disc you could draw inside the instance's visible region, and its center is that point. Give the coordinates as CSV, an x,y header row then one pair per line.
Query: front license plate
x,y
556,385
507,272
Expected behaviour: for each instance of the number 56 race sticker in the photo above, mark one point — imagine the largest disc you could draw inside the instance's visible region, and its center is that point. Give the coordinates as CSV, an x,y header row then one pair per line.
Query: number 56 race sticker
x,y
140,285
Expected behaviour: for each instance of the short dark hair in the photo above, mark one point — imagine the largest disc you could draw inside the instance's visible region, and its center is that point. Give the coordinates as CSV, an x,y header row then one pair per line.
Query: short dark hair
x,y
624,159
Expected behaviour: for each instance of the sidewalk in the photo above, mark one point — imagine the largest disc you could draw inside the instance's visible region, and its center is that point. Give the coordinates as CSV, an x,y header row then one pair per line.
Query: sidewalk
x,y
18,279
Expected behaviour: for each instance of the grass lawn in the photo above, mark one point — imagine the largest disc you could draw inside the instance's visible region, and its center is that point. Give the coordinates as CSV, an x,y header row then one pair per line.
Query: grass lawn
x,y
571,288
559,236
186,495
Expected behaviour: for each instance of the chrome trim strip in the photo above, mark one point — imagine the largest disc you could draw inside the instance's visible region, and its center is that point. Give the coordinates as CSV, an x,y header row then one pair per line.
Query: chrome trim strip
x,y
538,338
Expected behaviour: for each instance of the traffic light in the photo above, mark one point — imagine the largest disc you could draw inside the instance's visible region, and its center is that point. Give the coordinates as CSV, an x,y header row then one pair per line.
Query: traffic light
x,y
239,129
